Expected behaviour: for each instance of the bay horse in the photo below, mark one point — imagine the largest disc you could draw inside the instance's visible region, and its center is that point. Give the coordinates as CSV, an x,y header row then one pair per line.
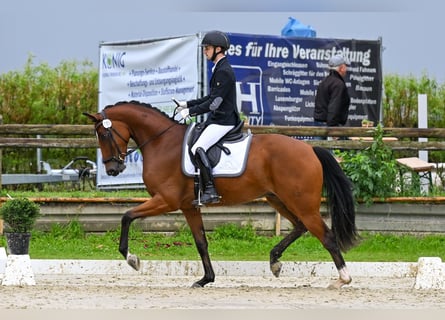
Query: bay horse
x,y
289,173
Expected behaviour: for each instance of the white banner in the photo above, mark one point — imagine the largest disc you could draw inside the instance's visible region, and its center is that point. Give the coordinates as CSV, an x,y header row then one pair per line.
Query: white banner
x,y
152,71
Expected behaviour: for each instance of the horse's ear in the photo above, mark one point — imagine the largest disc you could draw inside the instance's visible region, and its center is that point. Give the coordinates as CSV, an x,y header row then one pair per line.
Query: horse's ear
x,y
93,118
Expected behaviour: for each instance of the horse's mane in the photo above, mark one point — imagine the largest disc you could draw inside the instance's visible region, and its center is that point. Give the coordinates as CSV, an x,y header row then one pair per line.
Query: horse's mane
x,y
142,104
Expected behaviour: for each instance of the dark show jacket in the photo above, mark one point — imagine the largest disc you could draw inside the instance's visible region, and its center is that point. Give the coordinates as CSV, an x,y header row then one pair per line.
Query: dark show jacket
x,y
222,84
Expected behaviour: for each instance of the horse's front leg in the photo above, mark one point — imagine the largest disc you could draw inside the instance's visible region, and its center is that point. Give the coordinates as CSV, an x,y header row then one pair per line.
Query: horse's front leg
x,y
151,207
194,220
131,259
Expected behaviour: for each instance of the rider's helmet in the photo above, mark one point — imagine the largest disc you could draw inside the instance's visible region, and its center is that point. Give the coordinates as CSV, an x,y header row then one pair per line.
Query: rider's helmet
x,y
216,39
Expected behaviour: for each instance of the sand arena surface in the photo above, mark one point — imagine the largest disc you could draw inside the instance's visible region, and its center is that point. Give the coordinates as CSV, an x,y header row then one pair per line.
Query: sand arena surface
x,y
137,292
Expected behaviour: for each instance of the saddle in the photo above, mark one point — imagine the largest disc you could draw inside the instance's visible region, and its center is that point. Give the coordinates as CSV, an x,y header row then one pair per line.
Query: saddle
x,y
214,152
228,157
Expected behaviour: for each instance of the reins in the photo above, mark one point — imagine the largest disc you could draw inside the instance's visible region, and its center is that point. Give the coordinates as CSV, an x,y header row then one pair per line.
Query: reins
x,y
149,140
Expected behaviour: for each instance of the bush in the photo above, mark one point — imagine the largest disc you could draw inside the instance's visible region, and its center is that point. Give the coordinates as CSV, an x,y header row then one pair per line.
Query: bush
x,y
400,104
20,214
399,101
44,95
373,170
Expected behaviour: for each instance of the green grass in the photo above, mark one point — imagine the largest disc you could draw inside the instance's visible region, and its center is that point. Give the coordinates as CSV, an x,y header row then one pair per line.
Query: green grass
x,y
60,193
227,242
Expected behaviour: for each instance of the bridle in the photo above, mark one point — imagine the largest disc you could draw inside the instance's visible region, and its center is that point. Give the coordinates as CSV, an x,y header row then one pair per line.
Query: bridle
x,y
107,124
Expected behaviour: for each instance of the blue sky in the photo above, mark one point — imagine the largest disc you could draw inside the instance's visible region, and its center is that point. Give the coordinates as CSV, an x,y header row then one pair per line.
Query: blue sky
x,y
55,30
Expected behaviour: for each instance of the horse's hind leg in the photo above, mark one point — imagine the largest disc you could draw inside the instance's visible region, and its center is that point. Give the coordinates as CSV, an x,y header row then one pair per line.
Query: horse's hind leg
x,y
309,221
277,251
299,229
320,230
330,244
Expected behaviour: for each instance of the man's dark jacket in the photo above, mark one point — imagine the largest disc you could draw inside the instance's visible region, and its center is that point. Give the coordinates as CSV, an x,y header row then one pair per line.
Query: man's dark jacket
x,y
332,100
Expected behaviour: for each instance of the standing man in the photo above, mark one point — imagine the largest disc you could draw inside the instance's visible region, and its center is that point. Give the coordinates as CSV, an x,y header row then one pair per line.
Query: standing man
x,y
332,99
220,104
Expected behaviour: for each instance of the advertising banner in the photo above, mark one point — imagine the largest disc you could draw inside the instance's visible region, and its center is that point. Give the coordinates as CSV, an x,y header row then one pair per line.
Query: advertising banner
x,y
277,77
152,71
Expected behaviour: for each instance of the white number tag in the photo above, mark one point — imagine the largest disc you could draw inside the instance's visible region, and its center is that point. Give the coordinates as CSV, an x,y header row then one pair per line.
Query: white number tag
x,y
106,123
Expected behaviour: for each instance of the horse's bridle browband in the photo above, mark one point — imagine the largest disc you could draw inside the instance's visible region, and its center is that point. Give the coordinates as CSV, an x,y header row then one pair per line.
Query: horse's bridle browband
x,y
121,155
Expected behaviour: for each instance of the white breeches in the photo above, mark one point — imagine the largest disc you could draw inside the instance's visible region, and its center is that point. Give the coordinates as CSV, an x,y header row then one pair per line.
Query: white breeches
x,y
211,135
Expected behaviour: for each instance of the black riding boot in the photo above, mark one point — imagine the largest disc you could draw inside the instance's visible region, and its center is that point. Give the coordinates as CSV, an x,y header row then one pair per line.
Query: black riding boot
x,y
209,195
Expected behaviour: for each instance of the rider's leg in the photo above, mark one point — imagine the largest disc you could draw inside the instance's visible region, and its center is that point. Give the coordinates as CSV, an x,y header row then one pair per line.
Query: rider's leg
x,y
210,195
211,135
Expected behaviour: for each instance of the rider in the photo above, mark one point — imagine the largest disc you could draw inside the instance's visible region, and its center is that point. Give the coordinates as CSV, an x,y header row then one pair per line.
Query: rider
x,y
220,104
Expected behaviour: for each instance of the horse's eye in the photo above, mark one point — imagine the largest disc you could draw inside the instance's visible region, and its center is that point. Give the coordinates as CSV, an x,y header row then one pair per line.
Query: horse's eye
x,y
102,135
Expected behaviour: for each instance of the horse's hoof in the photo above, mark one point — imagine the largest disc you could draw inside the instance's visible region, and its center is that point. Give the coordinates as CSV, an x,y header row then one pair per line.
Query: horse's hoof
x,y
197,285
201,283
276,268
134,261
339,283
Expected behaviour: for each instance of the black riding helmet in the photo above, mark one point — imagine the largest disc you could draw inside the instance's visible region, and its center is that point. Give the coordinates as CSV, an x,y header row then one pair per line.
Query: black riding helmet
x,y
216,39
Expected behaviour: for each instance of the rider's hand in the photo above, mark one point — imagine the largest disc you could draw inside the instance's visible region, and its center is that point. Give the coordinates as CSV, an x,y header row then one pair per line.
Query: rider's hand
x,y
184,113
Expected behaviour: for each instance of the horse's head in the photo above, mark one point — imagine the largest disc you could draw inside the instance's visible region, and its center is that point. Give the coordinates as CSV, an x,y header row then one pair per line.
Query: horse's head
x,y
113,137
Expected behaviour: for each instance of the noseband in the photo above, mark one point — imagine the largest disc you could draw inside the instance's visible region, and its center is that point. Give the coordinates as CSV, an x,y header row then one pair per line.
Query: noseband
x,y
107,124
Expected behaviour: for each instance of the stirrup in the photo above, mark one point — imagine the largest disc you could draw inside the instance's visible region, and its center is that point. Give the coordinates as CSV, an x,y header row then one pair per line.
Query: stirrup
x,y
210,198
206,198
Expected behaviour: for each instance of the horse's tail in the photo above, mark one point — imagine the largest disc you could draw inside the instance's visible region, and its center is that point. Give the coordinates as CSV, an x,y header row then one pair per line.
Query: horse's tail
x,y
340,200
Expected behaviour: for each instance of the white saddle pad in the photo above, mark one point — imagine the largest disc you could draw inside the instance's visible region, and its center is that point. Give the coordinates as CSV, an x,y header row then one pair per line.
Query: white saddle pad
x,y
231,165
